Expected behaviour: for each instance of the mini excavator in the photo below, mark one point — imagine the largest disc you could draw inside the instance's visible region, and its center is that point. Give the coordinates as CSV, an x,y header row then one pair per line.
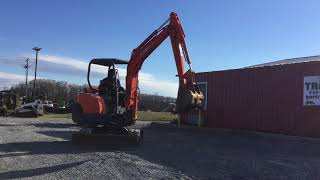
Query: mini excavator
x,y
104,112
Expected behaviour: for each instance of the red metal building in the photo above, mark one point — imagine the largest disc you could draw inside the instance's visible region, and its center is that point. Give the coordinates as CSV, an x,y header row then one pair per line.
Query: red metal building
x,y
278,97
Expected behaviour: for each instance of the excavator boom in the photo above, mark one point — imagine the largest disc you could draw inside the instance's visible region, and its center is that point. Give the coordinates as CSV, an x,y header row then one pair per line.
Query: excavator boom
x,y
189,95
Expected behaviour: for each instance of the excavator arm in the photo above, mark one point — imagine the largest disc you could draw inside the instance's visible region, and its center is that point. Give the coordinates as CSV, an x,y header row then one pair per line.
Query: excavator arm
x,y
189,95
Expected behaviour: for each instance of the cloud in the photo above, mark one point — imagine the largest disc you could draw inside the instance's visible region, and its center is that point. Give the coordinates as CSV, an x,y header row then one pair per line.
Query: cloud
x,y
77,68
8,79
160,87
15,78
13,61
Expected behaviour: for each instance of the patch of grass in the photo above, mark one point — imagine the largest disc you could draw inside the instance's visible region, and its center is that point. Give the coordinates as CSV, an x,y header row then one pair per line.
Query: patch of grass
x,y
156,116
60,116
142,116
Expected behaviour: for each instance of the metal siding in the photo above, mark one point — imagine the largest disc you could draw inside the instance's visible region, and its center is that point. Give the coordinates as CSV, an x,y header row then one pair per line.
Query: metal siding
x,y
268,99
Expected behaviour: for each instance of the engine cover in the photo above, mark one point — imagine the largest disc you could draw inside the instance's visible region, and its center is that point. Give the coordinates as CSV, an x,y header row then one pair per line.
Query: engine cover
x,y
92,103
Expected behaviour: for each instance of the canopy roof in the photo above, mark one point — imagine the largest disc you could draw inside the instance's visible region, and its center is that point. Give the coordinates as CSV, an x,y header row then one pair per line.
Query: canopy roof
x,y
108,61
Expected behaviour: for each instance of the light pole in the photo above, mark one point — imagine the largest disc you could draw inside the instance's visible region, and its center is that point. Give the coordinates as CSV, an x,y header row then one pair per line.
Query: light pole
x,y
37,49
27,67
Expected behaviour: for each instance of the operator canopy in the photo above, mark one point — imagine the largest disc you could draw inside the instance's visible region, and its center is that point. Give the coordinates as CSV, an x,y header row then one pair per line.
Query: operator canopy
x,y
108,61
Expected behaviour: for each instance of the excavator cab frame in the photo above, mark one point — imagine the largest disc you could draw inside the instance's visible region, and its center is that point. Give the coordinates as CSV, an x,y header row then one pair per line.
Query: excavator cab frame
x,y
108,62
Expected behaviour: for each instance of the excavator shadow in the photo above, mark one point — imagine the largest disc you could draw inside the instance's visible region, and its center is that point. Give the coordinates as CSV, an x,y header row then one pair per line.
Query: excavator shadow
x,y
168,147
53,147
18,174
53,125
155,139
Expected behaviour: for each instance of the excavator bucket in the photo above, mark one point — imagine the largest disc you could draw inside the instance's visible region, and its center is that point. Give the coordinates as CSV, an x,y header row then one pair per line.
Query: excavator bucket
x,y
189,98
189,95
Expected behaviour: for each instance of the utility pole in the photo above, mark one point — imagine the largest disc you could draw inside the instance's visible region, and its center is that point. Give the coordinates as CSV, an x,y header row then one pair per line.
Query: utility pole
x,y
37,49
27,68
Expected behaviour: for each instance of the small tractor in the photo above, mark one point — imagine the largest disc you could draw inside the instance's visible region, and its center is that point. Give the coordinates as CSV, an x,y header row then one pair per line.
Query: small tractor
x,y
8,102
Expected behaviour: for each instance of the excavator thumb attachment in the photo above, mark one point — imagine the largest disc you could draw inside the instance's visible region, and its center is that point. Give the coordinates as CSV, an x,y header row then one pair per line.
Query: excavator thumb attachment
x,y
189,98
189,95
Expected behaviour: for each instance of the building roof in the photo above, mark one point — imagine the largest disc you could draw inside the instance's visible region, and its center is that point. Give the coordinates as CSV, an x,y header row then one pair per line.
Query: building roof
x,y
275,63
288,61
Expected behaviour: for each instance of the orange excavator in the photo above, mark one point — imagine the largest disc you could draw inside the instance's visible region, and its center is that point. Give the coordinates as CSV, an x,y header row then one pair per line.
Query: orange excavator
x,y
105,111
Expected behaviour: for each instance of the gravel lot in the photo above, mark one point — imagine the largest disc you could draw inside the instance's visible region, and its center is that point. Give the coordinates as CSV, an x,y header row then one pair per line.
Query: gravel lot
x,y
41,149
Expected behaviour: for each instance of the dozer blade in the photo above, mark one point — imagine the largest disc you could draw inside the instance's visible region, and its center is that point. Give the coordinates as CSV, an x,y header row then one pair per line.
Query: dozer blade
x,y
133,137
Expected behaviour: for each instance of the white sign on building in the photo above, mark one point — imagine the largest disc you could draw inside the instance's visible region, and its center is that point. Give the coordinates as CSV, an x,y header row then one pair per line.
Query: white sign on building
x,y
311,92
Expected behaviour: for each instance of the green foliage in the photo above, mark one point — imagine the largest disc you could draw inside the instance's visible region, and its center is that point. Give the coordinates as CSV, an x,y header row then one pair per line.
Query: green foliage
x,y
155,102
55,91
61,91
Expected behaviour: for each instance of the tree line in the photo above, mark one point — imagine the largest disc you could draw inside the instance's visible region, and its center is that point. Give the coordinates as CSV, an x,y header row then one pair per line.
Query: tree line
x,y
61,91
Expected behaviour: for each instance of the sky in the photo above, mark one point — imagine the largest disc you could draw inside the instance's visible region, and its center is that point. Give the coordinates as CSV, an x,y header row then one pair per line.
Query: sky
x,y
220,34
